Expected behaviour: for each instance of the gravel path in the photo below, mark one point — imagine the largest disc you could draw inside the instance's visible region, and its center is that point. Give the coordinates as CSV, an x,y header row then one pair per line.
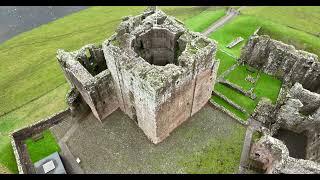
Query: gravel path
x,y
228,17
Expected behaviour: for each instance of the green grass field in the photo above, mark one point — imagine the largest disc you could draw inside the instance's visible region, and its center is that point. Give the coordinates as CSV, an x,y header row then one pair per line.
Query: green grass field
x,y
267,86
43,147
230,108
238,77
202,21
243,101
226,61
303,18
220,156
245,25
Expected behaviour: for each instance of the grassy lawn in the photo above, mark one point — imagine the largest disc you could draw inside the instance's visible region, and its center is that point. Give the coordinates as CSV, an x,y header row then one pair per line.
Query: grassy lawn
x,y
268,86
221,156
7,158
26,115
238,77
226,61
243,101
43,147
202,21
240,26
292,16
245,25
233,110
31,76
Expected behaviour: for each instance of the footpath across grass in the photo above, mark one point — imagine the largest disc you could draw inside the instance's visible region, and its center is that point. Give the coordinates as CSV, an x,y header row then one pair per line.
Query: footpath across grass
x,y
43,147
202,21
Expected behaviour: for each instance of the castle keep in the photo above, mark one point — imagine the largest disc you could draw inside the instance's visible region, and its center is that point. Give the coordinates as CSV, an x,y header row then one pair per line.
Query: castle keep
x,y
152,68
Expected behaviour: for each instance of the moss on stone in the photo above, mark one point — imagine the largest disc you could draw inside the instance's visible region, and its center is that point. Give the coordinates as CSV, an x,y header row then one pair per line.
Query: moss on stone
x,y
256,136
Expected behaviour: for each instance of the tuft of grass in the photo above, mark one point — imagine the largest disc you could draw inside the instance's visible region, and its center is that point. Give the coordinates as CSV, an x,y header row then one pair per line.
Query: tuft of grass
x,y
256,136
203,20
43,147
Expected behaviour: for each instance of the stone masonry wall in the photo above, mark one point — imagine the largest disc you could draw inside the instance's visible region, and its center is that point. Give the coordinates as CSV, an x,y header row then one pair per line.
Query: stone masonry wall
x,y
88,74
300,113
274,156
283,61
25,166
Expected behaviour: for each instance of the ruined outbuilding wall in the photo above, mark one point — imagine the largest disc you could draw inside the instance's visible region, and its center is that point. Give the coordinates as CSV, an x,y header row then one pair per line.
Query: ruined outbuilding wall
x,y
24,163
87,73
163,73
274,156
284,61
299,113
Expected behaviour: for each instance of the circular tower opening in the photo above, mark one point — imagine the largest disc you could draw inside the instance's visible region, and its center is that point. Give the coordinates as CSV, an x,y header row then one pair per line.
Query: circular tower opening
x,y
157,46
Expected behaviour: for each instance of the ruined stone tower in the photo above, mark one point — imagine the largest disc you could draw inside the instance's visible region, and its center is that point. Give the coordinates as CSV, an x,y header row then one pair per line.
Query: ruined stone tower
x,y
152,68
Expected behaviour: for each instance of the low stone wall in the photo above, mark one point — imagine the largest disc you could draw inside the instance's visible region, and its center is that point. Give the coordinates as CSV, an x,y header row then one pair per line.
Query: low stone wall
x,y
228,101
221,108
23,160
239,89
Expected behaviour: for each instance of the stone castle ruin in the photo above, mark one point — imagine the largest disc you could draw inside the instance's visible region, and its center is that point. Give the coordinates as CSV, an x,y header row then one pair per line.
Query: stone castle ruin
x,y
160,74
283,61
153,69
289,131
